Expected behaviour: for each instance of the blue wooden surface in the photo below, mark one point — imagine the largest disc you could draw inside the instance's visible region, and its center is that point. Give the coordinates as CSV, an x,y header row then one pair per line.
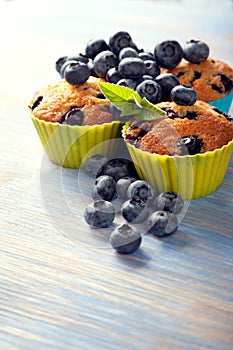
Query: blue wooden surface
x,y
61,286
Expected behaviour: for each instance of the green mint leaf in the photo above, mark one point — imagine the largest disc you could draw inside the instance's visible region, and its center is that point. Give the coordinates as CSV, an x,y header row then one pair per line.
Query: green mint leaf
x,y
127,108
117,93
150,106
130,102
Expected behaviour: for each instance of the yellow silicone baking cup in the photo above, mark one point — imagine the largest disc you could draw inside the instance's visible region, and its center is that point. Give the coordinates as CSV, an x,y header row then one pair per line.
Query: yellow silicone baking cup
x,y
69,146
192,176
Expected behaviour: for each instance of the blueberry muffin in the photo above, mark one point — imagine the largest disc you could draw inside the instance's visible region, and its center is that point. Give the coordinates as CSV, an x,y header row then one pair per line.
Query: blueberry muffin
x,y
74,122
212,79
70,104
186,151
185,130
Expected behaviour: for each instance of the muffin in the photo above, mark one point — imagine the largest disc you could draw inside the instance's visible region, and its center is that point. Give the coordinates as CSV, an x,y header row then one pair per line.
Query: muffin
x,y
212,79
186,151
73,122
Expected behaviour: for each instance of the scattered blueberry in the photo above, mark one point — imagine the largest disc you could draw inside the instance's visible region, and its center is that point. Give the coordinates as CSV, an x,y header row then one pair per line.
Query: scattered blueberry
x,y
103,61
168,53
183,95
150,89
117,168
141,190
125,239
162,223
196,51
134,211
99,213
190,144
76,73
169,201
122,186
94,163
104,188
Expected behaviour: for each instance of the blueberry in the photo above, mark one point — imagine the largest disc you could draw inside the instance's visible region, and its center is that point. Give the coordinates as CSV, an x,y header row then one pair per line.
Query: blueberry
x,y
127,52
65,64
95,46
150,89
183,95
90,65
144,77
103,61
169,201
141,190
99,213
36,102
117,168
190,144
104,188
152,68
73,117
146,56
168,53
94,163
167,81
101,96
130,83
227,116
134,211
120,40
132,68
196,51
113,75
226,82
122,186
66,60
125,239
76,73
79,58
162,223
60,61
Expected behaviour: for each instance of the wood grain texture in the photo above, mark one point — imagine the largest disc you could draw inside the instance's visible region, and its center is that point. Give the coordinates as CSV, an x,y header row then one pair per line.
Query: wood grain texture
x,y
61,286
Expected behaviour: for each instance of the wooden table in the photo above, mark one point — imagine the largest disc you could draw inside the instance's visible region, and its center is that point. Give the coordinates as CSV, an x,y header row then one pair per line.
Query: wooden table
x,y
61,285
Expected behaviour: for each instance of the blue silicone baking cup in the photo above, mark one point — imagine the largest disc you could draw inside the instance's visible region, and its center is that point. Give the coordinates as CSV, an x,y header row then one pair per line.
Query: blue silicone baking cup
x,y
223,104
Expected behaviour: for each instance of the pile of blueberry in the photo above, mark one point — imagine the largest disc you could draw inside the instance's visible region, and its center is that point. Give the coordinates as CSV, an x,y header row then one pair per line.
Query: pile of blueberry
x,y
117,178
120,61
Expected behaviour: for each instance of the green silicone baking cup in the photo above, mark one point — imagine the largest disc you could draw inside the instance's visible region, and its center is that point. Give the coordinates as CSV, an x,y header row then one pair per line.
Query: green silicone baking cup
x,y
68,146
